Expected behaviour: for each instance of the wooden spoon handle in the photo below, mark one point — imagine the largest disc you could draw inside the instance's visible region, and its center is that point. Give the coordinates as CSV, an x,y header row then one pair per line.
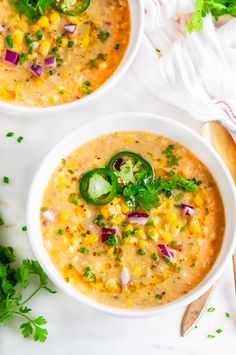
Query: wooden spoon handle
x,y
194,311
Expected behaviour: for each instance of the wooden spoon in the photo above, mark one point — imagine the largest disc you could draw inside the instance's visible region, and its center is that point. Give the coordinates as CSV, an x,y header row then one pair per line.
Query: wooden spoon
x,y
220,138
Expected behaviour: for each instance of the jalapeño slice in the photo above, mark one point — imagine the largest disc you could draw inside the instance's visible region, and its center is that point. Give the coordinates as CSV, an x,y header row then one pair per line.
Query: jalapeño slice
x,y
73,10
130,168
98,186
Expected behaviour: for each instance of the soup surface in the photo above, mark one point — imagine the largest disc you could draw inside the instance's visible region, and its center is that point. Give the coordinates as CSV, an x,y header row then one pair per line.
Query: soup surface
x,y
153,242
44,64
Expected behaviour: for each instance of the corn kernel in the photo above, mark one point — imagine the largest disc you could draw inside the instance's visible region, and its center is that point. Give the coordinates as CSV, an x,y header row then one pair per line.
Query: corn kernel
x,y
198,201
84,41
35,27
128,139
17,36
44,47
64,42
31,56
129,228
110,252
54,17
166,237
7,94
117,220
23,25
124,207
142,244
91,239
105,212
76,20
170,216
194,227
137,270
63,217
43,22
62,181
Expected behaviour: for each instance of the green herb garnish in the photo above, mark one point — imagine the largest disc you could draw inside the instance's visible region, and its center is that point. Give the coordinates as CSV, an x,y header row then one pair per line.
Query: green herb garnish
x,y
90,277
216,7
158,296
104,36
211,309
141,252
24,229
6,179
10,134
13,282
20,139
83,250
10,42
155,256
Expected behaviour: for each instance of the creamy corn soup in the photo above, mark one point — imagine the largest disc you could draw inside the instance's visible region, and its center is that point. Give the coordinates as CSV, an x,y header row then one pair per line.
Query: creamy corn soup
x,y
58,56
132,220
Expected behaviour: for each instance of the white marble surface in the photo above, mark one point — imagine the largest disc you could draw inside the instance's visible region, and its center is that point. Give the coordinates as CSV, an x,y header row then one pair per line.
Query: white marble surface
x,y
74,328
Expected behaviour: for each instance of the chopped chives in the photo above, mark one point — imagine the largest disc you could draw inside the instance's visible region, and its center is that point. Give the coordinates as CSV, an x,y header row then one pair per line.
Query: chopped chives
x,y
141,252
22,58
20,139
6,179
117,46
87,83
10,42
211,336
43,209
10,134
39,35
227,315
70,266
158,296
50,72
70,44
24,229
211,309
155,256
219,331
1,221
60,231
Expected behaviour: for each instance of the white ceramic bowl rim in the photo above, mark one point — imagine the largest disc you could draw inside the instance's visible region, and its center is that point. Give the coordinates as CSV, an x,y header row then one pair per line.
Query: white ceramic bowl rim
x,y
137,25
125,122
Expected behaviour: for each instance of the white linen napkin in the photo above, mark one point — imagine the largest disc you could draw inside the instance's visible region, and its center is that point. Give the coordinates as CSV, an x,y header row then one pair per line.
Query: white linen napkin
x,y
193,71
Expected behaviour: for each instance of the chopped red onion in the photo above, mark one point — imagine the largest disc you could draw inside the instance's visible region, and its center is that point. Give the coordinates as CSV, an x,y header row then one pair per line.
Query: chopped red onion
x,y
109,231
50,61
105,237
118,163
167,252
37,69
11,57
125,276
136,217
188,210
70,28
50,216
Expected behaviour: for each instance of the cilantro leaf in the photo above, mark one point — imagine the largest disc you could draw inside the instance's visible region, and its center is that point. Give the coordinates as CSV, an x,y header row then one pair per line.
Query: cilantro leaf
x,y
146,195
33,9
13,281
26,329
216,7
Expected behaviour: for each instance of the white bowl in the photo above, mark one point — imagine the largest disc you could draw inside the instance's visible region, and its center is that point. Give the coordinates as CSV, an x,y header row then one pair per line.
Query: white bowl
x,y
137,24
140,122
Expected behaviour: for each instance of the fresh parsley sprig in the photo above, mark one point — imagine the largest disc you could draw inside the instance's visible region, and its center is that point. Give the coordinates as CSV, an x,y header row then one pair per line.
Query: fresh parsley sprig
x,y
13,282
